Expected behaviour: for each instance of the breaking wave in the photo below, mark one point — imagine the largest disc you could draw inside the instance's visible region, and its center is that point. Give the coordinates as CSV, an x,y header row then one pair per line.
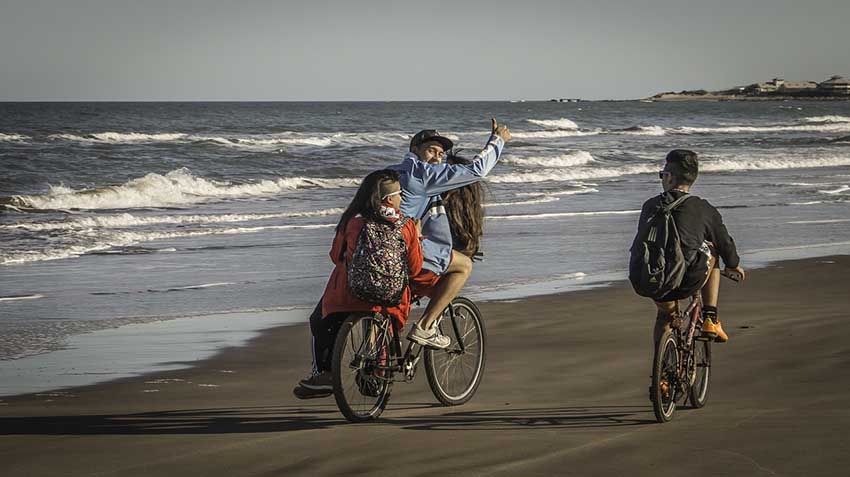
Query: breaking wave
x,y
587,171
110,239
562,123
575,158
250,142
175,188
12,137
556,134
129,220
827,119
554,215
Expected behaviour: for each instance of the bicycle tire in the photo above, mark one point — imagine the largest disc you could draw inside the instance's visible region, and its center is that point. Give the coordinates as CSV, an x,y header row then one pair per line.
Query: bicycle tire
x,y
354,353
664,377
698,393
454,375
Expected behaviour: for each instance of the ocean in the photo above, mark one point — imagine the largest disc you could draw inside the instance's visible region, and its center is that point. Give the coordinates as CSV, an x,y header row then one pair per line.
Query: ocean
x,y
130,216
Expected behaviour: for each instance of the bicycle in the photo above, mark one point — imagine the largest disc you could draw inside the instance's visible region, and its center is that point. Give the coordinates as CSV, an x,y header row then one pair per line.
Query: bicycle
x,y
682,362
367,360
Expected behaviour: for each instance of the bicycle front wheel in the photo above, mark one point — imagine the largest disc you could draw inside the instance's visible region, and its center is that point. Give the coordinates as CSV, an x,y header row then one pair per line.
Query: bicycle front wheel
x,y
361,389
454,373
702,361
664,377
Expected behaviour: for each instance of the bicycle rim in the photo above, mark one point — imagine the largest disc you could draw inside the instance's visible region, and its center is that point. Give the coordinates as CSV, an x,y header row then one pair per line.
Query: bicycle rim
x,y
702,359
455,373
664,377
361,344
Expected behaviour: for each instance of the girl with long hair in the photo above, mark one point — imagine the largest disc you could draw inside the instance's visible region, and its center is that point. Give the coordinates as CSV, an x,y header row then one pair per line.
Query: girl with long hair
x,y
377,199
465,209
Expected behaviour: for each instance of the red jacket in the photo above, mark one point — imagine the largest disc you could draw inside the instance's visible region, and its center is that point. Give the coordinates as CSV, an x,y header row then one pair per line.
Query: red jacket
x,y
338,298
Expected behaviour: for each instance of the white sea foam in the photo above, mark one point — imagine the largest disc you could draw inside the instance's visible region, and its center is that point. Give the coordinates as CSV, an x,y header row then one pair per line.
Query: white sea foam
x,y
100,241
128,220
250,142
555,134
773,163
827,119
645,131
554,215
174,188
829,127
21,297
573,174
840,190
13,137
574,158
116,137
562,123
814,222
541,200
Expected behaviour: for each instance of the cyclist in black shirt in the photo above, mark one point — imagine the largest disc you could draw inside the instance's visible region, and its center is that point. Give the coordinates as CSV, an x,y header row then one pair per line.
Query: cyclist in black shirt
x,y
703,237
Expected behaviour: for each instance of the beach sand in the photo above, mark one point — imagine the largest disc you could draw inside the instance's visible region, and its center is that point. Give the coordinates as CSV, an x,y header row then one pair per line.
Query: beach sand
x,y
564,393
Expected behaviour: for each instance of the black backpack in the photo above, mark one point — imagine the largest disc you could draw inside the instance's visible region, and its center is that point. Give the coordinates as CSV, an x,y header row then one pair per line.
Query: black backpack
x,y
657,264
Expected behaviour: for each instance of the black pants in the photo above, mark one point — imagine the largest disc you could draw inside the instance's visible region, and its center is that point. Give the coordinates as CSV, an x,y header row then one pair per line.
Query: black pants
x,y
324,331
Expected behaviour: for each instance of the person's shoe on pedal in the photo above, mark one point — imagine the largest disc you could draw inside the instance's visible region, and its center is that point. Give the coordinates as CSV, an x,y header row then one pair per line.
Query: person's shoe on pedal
x,y
303,393
431,339
318,382
711,327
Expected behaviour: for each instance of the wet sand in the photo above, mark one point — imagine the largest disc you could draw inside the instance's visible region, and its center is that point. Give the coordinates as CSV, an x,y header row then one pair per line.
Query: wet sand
x,y
564,393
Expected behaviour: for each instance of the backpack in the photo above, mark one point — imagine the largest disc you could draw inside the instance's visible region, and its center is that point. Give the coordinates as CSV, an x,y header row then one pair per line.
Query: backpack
x,y
657,264
378,271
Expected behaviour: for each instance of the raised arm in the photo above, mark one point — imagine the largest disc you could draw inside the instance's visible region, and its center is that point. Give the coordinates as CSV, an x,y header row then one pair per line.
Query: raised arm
x,y
439,178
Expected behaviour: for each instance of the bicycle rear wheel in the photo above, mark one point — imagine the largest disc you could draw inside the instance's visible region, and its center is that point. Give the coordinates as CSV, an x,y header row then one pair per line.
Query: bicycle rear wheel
x,y
699,388
362,391
455,373
664,377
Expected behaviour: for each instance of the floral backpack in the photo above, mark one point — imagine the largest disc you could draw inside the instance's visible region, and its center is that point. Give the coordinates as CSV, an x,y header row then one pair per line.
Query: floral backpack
x,y
378,271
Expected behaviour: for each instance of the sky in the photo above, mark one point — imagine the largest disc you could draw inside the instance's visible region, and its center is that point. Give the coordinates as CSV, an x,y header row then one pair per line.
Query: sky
x,y
392,50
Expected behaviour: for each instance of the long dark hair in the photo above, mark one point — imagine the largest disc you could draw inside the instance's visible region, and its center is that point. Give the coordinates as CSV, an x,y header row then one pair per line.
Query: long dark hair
x,y
465,209
367,200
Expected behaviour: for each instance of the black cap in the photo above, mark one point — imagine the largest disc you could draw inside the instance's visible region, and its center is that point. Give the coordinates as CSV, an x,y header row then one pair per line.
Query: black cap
x,y
426,135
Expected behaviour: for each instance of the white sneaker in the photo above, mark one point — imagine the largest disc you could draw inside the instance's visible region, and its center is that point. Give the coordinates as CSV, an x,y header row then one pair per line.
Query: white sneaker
x,y
431,339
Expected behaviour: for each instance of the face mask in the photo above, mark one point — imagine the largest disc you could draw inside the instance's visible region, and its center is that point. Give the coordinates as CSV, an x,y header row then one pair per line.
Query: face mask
x,y
389,212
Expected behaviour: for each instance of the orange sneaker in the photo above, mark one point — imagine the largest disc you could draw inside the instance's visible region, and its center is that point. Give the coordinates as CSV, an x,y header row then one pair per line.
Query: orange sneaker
x,y
713,328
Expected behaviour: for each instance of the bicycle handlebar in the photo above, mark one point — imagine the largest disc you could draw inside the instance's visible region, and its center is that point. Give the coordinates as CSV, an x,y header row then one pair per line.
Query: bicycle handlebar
x,y
734,276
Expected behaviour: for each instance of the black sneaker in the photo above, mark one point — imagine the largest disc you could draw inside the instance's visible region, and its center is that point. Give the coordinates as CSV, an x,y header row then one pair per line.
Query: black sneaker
x,y
304,393
318,382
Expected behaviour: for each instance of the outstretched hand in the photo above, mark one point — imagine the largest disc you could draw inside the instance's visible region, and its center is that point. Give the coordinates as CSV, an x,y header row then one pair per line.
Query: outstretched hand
x,y
501,130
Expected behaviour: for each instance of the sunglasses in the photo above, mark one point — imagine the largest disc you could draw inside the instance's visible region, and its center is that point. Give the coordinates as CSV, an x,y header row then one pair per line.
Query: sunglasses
x,y
661,174
398,192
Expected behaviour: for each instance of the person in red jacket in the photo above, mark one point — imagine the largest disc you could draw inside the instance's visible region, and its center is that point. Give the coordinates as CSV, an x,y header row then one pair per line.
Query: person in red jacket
x,y
378,199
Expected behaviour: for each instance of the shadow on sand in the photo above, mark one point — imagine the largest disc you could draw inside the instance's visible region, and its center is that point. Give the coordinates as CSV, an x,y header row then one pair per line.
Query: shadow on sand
x,y
294,418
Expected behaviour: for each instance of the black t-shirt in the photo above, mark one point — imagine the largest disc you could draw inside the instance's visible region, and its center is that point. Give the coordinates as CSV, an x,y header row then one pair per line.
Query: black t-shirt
x,y
697,221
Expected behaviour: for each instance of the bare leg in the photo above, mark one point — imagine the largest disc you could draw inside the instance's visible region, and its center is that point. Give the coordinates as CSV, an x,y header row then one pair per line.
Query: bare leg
x,y
711,289
447,288
666,310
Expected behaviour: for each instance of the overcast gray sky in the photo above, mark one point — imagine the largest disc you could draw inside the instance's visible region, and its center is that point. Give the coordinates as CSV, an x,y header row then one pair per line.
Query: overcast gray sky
x,y
329,50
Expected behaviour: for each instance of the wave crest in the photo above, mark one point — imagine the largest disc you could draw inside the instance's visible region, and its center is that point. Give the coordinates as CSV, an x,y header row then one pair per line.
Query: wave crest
x,y
575,158
175,188
562,123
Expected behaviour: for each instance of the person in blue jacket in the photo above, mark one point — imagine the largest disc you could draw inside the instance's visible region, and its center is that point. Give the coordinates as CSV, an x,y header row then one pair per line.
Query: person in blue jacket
x,y
424,176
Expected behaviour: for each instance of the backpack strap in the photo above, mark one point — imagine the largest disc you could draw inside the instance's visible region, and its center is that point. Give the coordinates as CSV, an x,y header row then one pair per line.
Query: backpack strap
x,y
676,203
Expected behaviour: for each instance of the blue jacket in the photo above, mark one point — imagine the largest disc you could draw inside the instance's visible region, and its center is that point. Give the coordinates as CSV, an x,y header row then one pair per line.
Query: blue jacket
x,y
421,186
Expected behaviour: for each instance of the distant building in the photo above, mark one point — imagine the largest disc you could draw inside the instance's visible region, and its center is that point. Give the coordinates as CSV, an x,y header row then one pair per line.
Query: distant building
x,y
797,87
835,86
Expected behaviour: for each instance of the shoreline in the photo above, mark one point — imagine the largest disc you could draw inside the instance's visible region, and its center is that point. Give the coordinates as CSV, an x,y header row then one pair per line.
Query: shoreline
x,y
565,385
148,347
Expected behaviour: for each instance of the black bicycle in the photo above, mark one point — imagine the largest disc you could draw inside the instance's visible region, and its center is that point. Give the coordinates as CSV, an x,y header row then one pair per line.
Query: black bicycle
x,y
682,363
368,359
